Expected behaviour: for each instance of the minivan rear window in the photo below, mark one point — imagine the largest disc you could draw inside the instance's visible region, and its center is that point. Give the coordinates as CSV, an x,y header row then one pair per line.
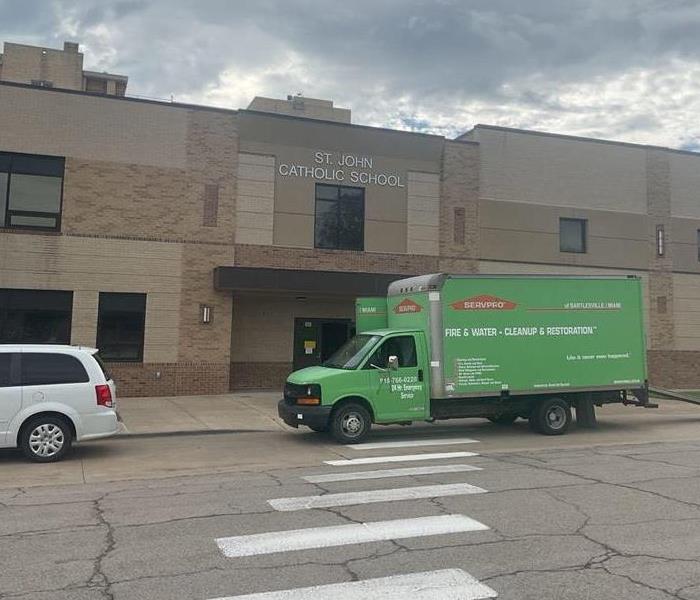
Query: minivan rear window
x,y
102,365
44,368
5,359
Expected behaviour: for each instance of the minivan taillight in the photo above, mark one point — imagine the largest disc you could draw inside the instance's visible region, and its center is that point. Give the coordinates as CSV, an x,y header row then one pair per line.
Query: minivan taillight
x,y
104,395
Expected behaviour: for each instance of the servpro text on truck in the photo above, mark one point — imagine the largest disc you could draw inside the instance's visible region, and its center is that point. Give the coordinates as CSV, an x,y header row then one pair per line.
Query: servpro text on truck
x,y
501,347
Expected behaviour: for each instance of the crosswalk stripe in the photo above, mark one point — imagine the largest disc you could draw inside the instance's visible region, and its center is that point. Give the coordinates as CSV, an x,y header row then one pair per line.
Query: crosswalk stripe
x,y
445,584
386,473
373,496
412,443
341,535
398,458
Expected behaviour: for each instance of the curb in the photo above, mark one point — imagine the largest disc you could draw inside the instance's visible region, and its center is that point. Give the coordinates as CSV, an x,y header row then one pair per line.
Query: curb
x,y
185,432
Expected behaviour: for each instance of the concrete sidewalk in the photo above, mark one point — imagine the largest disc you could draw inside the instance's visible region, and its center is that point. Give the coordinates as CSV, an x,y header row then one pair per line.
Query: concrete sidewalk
x,y
244,411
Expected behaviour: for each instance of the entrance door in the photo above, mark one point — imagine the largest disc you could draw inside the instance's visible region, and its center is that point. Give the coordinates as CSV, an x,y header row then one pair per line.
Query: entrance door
x,y
315,340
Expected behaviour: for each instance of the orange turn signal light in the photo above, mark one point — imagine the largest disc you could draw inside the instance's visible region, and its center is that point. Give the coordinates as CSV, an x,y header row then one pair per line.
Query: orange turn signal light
x,y
308,400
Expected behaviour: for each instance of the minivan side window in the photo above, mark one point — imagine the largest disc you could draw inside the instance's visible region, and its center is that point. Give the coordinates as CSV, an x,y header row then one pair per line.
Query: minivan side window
x,y
5,361
42,368
402,346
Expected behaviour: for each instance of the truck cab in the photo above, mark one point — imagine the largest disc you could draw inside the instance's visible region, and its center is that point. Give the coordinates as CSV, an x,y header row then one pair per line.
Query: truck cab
x,y
378,376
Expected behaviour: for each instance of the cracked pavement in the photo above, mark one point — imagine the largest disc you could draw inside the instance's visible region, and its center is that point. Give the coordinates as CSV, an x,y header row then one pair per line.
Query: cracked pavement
x,y
595,522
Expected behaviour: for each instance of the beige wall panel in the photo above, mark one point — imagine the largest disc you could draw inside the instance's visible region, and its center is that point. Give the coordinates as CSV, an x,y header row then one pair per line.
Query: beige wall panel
x,y
430,218
254,236
384,236
686,311
427,247
685,185
257,204
293,230
263,327
92,128
385,205
256,172
249,187
265,160
84,319
420,203
683,243
540,169
254,220
256,199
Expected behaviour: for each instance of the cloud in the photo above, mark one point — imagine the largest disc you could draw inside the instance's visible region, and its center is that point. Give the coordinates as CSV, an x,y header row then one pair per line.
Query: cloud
x,y
623,70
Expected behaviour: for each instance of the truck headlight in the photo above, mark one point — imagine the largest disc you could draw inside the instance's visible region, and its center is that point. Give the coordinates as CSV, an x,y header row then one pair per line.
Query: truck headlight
x,y
312,395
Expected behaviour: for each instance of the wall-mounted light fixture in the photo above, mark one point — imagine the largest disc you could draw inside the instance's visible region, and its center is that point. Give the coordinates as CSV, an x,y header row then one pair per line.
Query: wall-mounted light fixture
x,y
660,240
205,313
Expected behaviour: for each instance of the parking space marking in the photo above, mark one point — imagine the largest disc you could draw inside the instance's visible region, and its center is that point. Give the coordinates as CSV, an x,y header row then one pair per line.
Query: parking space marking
x,y
413,443
341,535
374,496
386,473
398,458
445,584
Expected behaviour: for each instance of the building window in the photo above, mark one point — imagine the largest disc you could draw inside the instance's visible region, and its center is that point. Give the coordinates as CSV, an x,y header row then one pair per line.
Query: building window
x,y
35,316
340,217
572,235
31,191
121,320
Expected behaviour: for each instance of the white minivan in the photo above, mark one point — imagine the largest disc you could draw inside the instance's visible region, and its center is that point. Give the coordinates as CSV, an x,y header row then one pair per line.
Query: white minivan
x,y
51,396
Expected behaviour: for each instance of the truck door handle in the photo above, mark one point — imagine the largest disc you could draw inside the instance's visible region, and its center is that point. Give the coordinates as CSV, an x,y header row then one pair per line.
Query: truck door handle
x,y
420,374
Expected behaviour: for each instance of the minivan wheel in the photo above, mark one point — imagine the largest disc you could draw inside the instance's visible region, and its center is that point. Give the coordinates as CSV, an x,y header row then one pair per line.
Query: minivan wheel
x,y
46,439
552,416
350,423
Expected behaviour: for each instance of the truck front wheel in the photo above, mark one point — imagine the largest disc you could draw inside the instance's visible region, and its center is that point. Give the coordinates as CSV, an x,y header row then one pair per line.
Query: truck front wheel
x,y
350,423
552,416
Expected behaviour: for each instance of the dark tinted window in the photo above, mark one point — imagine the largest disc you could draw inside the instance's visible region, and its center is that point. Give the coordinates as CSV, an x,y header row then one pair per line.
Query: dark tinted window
x,y
35,316
340,217
39,368
31,191
121,320
403,346
5,358
572,235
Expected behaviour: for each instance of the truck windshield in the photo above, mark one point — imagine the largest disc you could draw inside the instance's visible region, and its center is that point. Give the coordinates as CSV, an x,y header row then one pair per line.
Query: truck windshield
x,y
350,354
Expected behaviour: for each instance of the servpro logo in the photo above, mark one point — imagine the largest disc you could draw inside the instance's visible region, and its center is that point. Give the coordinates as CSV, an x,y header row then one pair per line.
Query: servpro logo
x,y
407,306
484,302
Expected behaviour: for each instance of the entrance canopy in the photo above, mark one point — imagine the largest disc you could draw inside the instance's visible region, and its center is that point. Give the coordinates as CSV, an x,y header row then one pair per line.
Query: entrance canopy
x,y
334,283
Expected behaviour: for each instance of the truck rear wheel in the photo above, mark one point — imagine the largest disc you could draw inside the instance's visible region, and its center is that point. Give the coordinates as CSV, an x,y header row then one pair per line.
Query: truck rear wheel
x,y
350,423
552,416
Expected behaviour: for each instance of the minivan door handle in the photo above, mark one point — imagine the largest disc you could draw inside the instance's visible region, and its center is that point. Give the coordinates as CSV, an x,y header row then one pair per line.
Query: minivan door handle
x,y
420,374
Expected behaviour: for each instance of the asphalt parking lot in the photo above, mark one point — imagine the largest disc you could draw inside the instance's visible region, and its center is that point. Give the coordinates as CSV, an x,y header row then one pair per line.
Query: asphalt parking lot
x,y
461,510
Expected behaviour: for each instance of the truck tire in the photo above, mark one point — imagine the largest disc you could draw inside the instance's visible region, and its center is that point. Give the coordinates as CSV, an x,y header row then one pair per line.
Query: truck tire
x,y
552,416
350,423
503,419
45,439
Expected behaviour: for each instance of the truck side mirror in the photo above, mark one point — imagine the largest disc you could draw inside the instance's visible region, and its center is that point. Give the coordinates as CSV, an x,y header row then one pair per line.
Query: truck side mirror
x,y
393,363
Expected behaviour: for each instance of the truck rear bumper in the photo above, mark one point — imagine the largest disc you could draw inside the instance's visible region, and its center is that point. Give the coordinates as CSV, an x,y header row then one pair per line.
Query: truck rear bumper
x,y
312,416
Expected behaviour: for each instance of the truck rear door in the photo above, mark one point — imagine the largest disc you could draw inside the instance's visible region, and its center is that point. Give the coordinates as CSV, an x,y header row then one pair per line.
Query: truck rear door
x,y
399,394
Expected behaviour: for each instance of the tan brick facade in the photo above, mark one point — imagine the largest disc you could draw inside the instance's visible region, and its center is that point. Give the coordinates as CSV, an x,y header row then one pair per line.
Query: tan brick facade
x,y
157,195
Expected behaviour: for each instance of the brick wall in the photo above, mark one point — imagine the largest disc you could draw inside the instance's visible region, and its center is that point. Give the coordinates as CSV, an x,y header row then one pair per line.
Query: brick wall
x,y
259,375
169,379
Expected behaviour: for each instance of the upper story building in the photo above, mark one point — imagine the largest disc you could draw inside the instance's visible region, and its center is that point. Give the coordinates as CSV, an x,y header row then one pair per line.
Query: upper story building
x,y
203,248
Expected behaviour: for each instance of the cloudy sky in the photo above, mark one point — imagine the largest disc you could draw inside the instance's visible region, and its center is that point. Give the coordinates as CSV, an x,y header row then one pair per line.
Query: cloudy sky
x,y
617,69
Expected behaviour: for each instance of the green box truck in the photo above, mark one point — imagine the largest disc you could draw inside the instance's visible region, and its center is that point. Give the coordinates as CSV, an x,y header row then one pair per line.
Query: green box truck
x,y
501,347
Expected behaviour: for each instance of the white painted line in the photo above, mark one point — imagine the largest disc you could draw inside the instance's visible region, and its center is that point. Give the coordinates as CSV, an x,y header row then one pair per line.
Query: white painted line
x,y
412,443
373,496
399,458
341,535
385,473
446,584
